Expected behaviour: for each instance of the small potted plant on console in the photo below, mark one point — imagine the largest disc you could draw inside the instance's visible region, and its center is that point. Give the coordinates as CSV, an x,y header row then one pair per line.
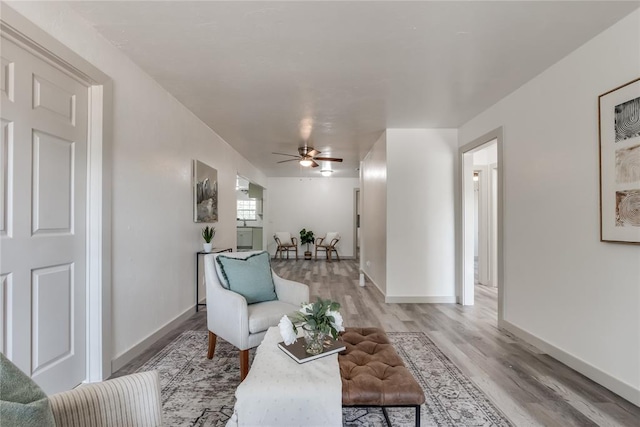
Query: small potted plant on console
x,y
207,235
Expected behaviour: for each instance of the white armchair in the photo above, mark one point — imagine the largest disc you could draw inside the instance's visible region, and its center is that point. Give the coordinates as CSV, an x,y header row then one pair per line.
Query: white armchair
x,y
241,324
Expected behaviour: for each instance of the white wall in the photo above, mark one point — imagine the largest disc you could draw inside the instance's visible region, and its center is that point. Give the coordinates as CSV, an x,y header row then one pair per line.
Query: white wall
x,y
317,204
421,215
564,290
373,219
155,139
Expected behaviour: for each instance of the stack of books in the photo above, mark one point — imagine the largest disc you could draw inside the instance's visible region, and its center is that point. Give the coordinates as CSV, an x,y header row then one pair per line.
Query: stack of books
x,y
298,353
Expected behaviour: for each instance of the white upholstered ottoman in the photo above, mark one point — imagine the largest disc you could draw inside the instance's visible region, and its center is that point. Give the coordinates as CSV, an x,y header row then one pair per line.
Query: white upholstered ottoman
x,y
280,392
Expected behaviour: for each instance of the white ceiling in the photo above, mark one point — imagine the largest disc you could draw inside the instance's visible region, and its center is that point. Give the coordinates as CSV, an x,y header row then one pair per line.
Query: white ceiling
x,y
262,73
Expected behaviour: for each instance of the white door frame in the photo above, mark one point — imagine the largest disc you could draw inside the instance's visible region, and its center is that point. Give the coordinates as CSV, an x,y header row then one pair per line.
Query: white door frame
x,y
493,222
465,218
356,205
19,30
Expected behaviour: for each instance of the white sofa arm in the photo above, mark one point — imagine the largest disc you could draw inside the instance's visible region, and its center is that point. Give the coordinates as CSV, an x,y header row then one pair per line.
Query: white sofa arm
x,y
132,400
289,291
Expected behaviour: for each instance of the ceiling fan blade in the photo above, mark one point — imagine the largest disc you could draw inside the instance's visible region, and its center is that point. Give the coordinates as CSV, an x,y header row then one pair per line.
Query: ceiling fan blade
x,y
289,160
308,151
314,164
284,154
328,159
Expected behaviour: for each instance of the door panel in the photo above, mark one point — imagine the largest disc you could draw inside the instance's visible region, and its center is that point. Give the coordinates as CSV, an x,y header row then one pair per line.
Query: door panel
x,y
52,338
43,237
53,166
5,290
6,79
6,141
57,103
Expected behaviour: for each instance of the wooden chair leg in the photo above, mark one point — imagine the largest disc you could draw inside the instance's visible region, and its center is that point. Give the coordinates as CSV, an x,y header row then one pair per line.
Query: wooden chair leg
x,y
244,364
212,345
337,256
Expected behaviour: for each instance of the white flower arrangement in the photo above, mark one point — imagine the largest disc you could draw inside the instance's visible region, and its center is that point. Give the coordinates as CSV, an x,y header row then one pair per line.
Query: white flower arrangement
x,y
288,330
322,315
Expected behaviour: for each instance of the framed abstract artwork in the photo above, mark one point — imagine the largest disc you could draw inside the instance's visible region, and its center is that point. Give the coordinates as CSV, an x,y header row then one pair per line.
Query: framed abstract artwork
x,y
619,127
205,193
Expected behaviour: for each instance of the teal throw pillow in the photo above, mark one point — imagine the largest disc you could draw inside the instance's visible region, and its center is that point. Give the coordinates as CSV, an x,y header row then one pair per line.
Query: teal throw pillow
x,y
22,402
249,277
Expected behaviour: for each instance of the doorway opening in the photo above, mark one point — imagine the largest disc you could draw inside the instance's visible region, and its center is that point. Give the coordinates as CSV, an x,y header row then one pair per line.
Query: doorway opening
x,y
481,246
249,215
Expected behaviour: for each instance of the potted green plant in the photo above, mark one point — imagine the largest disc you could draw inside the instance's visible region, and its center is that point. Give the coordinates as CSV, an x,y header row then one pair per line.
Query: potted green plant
x,y
207,235
306,237
317,320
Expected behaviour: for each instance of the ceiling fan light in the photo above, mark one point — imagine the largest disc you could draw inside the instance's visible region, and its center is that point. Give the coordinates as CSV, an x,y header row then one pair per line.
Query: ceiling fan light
x,y
306,162
326,172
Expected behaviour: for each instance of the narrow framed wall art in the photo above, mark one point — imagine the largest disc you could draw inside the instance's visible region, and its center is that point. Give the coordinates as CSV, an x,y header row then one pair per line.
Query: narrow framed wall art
x,y
205,193
619,127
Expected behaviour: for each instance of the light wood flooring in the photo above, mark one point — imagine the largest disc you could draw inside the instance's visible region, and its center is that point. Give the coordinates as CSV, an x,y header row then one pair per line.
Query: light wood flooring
x,y
531,388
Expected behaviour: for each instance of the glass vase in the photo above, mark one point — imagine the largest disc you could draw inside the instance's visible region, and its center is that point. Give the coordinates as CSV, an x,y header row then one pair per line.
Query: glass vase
x,y
314,340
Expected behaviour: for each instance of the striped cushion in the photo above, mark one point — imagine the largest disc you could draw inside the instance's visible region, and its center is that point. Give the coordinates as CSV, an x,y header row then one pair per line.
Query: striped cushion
x,y
132,400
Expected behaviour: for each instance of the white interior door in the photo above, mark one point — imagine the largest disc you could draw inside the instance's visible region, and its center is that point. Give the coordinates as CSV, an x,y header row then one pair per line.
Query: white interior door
x,y
43,219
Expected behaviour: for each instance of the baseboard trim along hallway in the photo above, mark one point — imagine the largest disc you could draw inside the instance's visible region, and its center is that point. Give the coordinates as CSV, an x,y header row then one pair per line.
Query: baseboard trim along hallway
x,y
621,388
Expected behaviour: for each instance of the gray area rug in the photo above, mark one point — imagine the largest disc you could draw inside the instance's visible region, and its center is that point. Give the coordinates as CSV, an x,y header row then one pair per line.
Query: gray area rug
x,y
197,391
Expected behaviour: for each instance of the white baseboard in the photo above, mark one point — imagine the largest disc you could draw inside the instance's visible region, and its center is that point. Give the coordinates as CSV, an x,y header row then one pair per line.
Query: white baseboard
x,y
620,388
420,300
369,279
126,357
414,300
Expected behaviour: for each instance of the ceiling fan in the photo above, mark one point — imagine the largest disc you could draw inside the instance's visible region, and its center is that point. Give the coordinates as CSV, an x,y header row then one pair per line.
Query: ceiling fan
x,y
307,156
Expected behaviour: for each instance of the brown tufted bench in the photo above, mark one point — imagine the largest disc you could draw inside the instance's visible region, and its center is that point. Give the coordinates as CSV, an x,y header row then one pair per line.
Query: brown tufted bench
x,y
373,374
